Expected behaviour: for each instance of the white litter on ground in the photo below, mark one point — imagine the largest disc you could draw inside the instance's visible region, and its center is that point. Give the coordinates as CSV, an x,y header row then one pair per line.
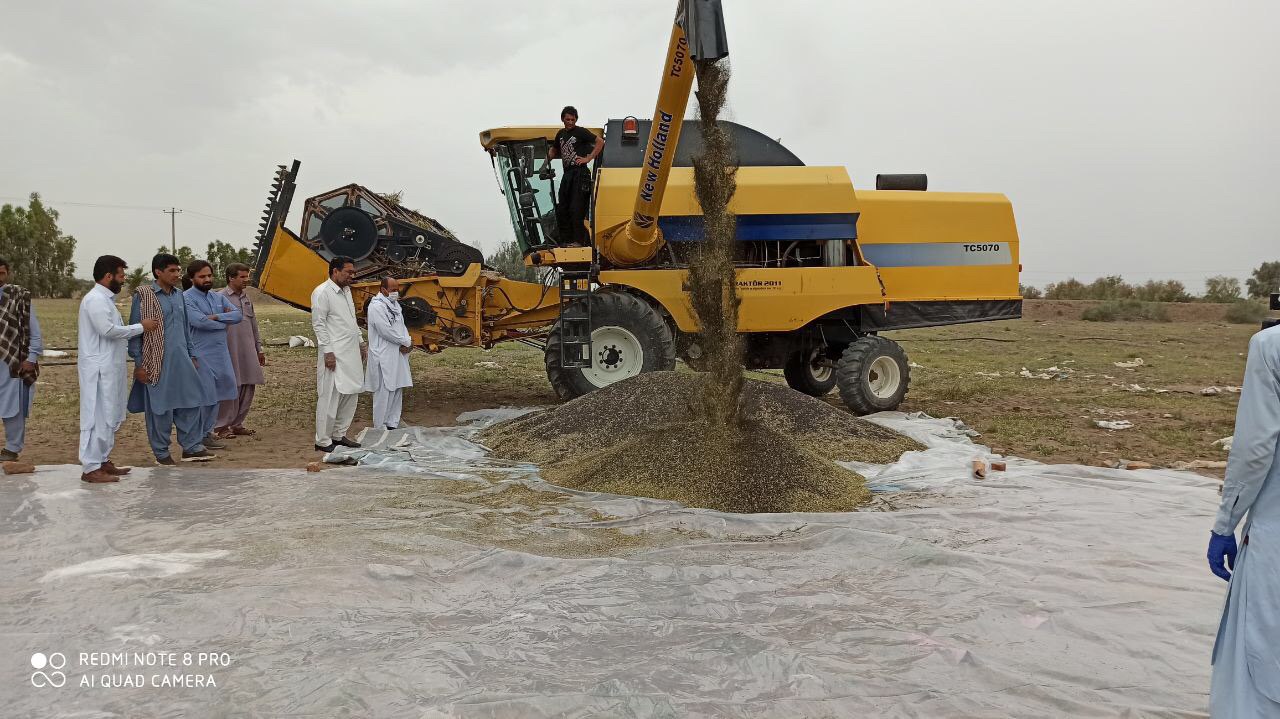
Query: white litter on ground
x,y
300,341
1113,424
1130,364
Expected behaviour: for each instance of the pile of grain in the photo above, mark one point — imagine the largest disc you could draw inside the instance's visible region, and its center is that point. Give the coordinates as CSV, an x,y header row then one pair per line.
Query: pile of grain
x,y
646,437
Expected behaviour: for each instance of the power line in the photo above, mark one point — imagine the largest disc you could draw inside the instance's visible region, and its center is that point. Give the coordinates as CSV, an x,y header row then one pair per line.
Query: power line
x,y
46,200
141,208
220,219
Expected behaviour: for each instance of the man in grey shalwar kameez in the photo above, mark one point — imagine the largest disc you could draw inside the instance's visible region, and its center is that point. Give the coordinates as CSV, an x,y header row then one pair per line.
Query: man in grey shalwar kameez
x,y
175,396
18,391
1246,656
245,346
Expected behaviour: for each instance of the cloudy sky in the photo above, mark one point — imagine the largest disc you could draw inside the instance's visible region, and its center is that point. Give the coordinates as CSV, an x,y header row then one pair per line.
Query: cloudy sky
x,y
1136,137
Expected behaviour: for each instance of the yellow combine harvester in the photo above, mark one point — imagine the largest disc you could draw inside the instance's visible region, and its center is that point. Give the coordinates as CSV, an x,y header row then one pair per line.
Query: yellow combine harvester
x,y
823,269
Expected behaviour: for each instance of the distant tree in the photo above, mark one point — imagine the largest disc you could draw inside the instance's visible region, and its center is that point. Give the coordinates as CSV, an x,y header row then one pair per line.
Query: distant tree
x,y
1068,289
1265,280
509,260
137,276
220,254
1029,292
184,254
1221,289
39,254
1111,287
1162,291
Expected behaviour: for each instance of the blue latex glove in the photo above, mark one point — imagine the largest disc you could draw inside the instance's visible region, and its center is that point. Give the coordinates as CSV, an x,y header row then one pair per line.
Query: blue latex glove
x,y
1222,547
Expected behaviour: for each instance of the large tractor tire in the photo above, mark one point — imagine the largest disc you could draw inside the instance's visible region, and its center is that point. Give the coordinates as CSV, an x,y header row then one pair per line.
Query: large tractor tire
x,y
809,371
628,337
873,375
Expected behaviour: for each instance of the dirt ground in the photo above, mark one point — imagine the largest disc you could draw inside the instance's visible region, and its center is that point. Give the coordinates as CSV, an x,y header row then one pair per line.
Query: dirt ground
x,y
966,371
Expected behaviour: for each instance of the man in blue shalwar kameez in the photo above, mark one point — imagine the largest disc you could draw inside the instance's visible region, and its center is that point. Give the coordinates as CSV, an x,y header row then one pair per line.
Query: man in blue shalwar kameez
x,y
209,314
167,388
1246,656
18,390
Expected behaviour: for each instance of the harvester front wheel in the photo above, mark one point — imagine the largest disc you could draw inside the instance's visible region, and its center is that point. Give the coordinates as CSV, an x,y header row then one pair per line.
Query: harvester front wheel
x,y
628,337
873,375
810,371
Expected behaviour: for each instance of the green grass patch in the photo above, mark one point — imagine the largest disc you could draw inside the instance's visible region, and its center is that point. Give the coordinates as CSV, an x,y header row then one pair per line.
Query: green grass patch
x,y
1246,312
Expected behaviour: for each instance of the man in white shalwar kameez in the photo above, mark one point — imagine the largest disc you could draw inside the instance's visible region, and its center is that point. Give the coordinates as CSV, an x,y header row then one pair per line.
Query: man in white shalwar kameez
x,y
100,364
389,347
1246,656
340,366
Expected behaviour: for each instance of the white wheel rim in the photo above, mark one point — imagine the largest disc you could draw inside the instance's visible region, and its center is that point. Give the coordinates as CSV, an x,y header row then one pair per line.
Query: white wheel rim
x,y
819,371
616,355
884,377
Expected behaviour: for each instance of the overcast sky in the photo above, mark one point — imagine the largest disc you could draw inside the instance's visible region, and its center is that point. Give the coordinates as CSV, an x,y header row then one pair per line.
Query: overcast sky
x,y
1136,137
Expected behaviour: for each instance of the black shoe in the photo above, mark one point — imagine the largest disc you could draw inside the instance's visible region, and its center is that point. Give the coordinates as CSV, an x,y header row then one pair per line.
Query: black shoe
x,y
347,442
325,448
166,462
201,456
211,443
7,456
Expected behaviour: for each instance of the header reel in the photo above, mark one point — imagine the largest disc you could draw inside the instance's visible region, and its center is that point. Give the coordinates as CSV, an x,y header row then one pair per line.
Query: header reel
x,y
382,236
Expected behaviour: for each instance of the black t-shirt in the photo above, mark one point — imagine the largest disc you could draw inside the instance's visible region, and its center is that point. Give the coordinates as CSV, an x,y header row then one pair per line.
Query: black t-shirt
x,y
575,143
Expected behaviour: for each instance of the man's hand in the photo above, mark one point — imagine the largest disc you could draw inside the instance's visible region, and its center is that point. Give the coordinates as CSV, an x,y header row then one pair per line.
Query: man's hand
x,y
150,325
29,372
213,317
582,160
405,349
1221,547
330,361
195,363
141,375
364,353
262,360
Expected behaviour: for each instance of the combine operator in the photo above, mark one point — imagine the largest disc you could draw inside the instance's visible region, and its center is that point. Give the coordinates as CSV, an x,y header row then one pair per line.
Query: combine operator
x,y
576,147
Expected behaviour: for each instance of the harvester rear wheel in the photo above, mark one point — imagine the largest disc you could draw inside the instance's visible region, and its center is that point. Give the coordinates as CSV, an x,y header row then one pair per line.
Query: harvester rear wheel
x,y
810,371
873,375
628,337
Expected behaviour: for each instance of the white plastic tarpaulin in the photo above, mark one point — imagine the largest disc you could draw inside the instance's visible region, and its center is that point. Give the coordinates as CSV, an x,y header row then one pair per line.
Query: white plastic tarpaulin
x,y
441,582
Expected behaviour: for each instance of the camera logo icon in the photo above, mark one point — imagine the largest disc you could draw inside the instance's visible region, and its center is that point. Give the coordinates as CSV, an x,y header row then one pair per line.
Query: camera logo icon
x,y
52,678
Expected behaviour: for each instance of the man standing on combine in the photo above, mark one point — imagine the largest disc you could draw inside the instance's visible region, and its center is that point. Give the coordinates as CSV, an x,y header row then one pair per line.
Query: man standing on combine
x,y
389,348
209,314
576,147
340,368
166,386
1246,656
247,359
20,348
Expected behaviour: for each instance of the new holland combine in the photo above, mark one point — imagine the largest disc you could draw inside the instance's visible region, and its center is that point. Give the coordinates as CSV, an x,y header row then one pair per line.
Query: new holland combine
x,y
823,268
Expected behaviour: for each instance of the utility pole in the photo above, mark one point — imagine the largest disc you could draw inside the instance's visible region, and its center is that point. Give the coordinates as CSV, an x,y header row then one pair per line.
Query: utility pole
x,y
172,212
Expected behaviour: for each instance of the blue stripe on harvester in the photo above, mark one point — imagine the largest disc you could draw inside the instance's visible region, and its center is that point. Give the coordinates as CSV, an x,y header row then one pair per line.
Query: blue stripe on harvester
x,y
755,228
